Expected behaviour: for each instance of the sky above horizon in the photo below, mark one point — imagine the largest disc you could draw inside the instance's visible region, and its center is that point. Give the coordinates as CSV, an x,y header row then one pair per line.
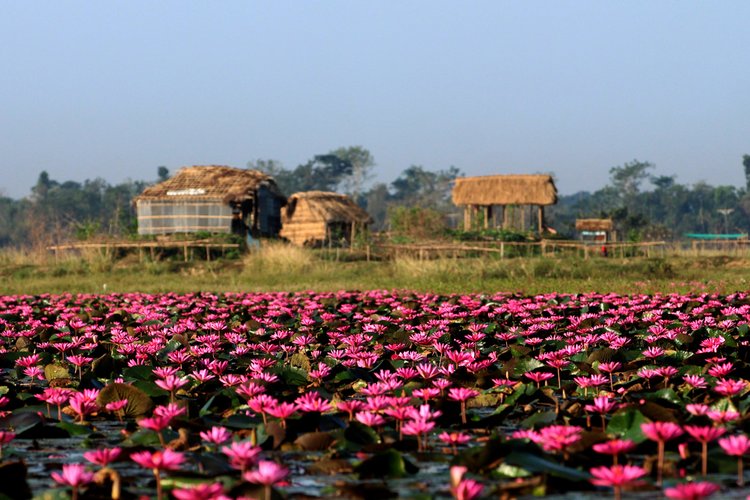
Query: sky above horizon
x,y
114,90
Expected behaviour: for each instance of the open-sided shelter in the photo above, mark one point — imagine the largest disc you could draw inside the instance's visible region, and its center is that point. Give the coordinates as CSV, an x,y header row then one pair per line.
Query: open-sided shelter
x,y
506,201
214,199
598,230
321,218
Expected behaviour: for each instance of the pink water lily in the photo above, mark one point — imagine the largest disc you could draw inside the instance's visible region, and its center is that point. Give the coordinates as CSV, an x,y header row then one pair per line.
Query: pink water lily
x,y
704,435
614,447
242,454
212,491
617,477
463,489
268,474
73,475
661,432
737,446
103,456
158,461
692,491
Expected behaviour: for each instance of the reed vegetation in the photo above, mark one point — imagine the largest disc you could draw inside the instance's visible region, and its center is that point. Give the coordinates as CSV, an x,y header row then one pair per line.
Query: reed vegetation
x,y
280,267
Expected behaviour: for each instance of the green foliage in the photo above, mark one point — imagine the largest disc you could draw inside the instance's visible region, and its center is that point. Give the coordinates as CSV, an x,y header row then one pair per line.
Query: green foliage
x,y
416,223
665,212
321,173
497,234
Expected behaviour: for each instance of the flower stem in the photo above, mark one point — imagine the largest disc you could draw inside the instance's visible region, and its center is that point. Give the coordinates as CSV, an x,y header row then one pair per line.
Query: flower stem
x,y
740,472
660,463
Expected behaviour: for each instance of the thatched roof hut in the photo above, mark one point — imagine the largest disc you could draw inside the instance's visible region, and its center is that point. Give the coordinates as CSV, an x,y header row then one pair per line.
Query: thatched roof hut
x,y
480,194
321,217
594,225
214,199
503,190
598,230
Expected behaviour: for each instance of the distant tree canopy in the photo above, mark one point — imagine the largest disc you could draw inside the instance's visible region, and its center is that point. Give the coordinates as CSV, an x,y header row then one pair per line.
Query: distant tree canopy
x,y
667,211
643,204
321,173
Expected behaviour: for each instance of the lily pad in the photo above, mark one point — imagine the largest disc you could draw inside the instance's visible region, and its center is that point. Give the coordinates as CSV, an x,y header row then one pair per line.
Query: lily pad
x,y
139,403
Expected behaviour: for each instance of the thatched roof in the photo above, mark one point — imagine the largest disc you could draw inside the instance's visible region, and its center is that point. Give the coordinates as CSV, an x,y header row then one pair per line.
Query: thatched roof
x,y
594,225
505,190
211,182
323,206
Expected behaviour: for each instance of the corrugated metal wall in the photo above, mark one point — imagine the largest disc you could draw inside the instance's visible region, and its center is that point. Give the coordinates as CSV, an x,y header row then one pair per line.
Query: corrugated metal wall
x,y
188,216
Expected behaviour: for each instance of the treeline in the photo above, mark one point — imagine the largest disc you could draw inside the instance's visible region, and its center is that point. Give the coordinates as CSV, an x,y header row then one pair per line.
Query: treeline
x,y
649,206
643,205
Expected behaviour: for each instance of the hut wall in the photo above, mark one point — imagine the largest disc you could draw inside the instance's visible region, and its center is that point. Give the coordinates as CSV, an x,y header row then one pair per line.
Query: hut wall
x,y
183,216
301,232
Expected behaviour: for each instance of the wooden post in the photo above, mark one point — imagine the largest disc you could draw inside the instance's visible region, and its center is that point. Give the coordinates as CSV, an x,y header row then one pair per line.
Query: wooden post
x,y
487,214
505,216
502,249
185,252
540,216
467,218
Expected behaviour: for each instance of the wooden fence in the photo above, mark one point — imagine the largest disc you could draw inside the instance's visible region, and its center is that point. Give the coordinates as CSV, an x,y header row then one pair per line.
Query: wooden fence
x,y
505,249
153,247
432,250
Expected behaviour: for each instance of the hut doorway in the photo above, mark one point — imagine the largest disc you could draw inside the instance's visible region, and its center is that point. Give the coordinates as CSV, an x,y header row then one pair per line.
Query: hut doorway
x,y
339,233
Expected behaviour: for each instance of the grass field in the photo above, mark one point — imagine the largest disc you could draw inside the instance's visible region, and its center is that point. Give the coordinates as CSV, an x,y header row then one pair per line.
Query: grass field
x,y
292,269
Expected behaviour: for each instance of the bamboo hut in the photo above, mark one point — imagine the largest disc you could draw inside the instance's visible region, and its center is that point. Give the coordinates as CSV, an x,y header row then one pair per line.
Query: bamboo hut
x,y
213,199
506,201
598,230
316,218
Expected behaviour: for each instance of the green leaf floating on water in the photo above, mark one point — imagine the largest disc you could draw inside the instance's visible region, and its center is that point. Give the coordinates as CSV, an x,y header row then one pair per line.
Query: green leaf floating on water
x,y
54,371
389,464
627,425
139,403
535,463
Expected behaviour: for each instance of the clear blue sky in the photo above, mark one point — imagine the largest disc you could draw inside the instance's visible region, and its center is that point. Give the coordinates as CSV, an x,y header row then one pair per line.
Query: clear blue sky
x,y
115,89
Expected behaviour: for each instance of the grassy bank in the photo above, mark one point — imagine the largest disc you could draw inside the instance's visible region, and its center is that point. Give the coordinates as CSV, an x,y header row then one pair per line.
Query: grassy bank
x,y
291,269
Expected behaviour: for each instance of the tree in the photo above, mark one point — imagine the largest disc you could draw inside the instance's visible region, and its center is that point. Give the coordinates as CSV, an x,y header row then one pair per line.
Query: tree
x,y
321,173
627,179
362,162
425,188
163,173
746,164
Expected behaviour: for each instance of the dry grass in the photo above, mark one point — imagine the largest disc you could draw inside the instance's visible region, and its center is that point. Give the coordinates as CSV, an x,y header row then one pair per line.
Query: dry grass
x,y
419,268
274,257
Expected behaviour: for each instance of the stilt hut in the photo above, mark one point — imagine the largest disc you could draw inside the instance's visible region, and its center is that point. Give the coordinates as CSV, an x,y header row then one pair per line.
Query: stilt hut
x,y
598,230
317,218
214,199
505,201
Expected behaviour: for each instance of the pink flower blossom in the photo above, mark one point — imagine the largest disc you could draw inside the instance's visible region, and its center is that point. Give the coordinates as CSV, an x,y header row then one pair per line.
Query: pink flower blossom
x,y
74,475
661,431
737,445
617,476
463,489
158,460
216,435
268,473
692,491
102,456
730,387
242,454
206,491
